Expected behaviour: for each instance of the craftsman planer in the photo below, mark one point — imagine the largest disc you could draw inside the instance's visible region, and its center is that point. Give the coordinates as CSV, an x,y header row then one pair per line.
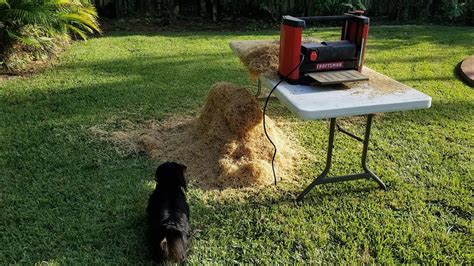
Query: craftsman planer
x,y
326,62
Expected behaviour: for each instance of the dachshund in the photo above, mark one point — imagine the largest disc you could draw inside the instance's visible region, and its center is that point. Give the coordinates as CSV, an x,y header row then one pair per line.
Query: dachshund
x,y
168,214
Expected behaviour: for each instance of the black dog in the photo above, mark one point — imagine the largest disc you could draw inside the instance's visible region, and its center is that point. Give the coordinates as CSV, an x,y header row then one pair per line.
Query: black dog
x,y
168,214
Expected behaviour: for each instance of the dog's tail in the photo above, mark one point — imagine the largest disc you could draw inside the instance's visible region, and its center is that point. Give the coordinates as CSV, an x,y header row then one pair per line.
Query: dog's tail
x,y
174,245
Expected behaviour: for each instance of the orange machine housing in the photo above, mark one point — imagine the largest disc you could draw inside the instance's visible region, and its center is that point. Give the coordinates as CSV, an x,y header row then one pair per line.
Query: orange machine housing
x,y
347,54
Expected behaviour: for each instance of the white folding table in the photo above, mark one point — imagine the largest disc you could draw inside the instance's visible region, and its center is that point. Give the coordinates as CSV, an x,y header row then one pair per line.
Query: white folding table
x,y
380,94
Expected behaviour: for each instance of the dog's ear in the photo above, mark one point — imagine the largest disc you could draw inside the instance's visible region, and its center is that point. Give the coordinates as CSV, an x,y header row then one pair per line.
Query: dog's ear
x,y
181,178
161,172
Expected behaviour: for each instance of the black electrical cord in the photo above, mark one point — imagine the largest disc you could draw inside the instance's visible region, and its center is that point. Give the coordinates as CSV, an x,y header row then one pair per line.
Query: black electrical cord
x,y
265,109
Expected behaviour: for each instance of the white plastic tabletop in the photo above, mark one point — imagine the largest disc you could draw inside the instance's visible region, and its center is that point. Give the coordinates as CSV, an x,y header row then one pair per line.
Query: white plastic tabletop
x,y
378,95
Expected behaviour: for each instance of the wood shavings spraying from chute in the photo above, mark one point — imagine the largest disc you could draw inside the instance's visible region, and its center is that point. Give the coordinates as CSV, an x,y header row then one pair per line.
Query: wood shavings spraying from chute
x,y
261,59
225,147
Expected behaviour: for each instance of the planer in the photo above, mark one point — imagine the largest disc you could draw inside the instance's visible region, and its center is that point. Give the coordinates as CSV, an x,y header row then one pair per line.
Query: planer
x,y
324,63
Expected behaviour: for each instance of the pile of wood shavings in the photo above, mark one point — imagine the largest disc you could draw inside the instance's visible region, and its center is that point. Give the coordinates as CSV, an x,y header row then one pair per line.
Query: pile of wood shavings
x,y
224,147
263,56
377,85
261,59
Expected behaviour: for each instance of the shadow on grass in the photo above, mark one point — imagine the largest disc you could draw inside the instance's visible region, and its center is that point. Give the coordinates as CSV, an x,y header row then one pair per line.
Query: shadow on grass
x,y
157,85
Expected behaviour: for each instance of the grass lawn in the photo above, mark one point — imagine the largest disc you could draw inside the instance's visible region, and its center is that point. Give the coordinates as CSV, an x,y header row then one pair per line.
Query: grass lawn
x,y
68,197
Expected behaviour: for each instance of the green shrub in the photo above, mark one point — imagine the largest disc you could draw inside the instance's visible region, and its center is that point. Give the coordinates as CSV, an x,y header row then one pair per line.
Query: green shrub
x,y
20,57
38,27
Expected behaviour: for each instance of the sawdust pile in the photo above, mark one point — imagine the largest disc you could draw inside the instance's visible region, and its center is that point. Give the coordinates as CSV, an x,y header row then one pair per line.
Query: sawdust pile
x,y
224,147
382,83
261,59
377,85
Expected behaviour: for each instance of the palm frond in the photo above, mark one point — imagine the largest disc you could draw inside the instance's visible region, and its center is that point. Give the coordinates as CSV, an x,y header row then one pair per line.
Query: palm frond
x,y
81,19
26,40
4,3
77,31
52,16
28,15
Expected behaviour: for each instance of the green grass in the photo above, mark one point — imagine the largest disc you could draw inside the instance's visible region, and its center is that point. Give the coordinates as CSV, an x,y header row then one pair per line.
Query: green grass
x,y
68,197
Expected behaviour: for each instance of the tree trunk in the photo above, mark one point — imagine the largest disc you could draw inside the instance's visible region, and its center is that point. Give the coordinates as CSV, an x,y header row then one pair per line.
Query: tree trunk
x,y
172,10
118,8
140,6
202,4
214,10
2,44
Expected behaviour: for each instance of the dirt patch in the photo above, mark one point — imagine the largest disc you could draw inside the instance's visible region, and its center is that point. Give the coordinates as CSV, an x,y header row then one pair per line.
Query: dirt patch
x,y
224,147
4,77
466,70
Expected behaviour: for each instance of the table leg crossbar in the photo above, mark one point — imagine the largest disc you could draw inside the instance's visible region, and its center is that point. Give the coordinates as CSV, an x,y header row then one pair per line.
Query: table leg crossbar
x,y
367,174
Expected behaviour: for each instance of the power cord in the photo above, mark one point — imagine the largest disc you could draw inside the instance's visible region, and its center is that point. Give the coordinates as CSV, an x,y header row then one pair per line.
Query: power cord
x,y
264,111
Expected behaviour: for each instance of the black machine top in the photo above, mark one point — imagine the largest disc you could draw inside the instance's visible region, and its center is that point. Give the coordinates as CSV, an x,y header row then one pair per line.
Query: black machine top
x,y
301,21
293,21
330,51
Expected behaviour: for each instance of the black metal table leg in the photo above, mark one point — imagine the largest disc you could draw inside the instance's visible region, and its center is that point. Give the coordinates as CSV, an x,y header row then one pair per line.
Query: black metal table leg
x,y
364,153
332,129
367,174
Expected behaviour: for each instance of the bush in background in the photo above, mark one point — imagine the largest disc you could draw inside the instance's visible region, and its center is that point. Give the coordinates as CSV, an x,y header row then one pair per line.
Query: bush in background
x,y
459,11
37,29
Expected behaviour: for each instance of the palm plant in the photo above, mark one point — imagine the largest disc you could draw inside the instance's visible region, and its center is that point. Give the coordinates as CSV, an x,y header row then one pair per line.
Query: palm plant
x,y
454,9
47,17
354,5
